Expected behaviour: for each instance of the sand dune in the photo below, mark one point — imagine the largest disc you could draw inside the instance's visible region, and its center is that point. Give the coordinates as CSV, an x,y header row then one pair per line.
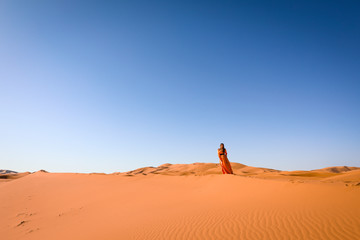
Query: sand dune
x,y
197,169
183,201
4,171
201,169
8,175
339,169
350,177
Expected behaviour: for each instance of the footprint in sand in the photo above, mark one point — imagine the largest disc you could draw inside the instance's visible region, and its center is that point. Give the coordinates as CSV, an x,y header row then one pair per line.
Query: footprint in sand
x,y
25,214
71,211
21,223
33,230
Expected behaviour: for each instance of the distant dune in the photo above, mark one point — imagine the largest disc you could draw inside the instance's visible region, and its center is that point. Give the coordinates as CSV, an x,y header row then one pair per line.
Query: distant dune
x,y
182,201
6,175
3,171
201,169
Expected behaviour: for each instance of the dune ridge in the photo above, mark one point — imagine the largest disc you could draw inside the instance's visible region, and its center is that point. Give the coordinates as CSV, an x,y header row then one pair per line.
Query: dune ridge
x,y
5,171
336,173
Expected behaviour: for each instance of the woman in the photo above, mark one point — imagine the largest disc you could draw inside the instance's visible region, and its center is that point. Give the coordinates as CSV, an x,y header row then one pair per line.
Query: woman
x,y
224,161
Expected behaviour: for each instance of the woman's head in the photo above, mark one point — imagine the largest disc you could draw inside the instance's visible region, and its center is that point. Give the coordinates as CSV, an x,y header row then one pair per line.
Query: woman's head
x,y
222,145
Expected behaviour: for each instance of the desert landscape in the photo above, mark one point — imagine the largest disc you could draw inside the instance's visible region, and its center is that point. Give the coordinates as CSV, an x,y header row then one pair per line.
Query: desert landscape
x,y
182,201
118,118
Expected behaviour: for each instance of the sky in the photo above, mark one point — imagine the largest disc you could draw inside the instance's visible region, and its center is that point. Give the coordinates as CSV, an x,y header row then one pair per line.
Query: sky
x,y
111,86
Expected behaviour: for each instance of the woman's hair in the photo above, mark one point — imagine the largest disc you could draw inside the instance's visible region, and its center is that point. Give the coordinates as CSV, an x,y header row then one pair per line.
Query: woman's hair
x,y
222,144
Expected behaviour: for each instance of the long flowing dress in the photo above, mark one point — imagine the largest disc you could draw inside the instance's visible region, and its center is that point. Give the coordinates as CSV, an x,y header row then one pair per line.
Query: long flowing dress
x,y
224,162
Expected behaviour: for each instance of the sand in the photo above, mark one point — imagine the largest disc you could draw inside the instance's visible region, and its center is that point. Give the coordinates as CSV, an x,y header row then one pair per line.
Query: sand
x,y
183,201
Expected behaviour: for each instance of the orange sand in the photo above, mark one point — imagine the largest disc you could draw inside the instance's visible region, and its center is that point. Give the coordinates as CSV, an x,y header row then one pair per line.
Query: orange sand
x,y
183,201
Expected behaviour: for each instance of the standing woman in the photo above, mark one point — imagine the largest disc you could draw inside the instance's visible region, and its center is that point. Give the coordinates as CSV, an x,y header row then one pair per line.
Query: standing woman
x,y
224,161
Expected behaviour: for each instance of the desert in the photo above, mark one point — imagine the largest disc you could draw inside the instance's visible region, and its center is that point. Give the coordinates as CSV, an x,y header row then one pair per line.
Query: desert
x,y
182,201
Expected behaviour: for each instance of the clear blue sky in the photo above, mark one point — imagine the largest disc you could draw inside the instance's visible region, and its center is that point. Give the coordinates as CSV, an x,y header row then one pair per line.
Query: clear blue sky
x,y
99,86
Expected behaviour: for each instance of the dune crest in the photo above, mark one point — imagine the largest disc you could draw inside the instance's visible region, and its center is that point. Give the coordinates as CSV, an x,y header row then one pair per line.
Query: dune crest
x,y
202,169
197,168
4,171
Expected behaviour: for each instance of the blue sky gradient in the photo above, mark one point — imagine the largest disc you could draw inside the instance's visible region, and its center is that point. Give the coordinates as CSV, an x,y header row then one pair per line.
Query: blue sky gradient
x,y
106,86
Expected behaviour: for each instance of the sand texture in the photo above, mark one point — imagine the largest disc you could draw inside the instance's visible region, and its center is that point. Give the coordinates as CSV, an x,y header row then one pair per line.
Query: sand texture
x,y
182,201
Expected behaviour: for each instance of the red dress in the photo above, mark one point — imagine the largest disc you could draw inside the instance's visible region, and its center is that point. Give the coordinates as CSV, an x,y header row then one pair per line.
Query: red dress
x,y
224,162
